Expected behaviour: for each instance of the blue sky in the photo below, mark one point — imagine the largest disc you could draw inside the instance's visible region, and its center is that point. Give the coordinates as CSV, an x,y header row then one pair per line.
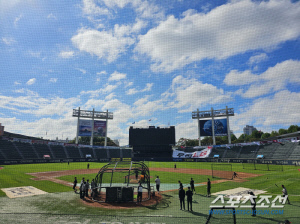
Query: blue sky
x,y
143,60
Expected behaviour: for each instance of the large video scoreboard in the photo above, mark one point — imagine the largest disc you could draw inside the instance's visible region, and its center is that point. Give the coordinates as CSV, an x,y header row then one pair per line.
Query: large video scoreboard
x,y
152,136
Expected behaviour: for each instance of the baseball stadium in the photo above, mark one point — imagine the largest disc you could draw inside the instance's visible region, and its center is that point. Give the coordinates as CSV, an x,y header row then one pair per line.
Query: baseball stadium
x,y
37,181
149,111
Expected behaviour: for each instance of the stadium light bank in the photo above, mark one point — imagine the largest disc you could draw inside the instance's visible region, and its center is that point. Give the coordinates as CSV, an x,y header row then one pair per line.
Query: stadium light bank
x,y
204,115
94,115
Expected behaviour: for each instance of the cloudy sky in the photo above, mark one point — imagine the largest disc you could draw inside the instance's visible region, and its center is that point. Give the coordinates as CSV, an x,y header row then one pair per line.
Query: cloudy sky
x,y
143,60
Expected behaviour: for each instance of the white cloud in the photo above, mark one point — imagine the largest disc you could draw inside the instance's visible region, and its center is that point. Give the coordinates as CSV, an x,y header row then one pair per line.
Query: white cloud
x,y
187,94
31,81
187,130
148,10
127,84
126,30
17,19
134,90
273,79
258,58
8,40
144,9
35,54
145,107
110,96
32,103
102,73
231,29
116,3
90,8
148,87
27,92
96,93
66,54
116,76
54,80
38,128
83,71
103,44
236,78
280,109
17,83
51,16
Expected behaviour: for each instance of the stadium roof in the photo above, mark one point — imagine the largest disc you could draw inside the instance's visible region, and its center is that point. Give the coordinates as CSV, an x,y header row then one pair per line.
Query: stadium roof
x,y
289,135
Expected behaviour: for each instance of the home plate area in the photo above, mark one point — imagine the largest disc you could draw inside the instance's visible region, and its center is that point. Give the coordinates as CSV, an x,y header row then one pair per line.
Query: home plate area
x,y
18,192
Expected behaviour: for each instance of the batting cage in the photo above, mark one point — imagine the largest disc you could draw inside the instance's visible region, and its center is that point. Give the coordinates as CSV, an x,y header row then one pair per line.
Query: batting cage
x,y
117,181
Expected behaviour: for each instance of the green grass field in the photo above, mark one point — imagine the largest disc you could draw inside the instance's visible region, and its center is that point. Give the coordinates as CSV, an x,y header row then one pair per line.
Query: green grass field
x,y
61,205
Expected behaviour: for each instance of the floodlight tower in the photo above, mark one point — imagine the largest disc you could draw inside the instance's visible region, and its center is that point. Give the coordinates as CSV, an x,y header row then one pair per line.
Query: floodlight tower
x,y
212,114
94,115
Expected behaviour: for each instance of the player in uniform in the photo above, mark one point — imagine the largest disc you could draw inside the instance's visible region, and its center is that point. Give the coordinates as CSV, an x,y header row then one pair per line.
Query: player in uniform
x,y
285,194
208,187
192,185
157,181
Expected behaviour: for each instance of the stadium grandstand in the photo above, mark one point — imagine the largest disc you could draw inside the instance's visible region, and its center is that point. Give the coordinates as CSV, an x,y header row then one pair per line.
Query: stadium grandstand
x,y
16,148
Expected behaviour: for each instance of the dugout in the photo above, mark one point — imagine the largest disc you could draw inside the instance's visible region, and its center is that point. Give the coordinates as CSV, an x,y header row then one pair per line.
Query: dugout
x,y
118,181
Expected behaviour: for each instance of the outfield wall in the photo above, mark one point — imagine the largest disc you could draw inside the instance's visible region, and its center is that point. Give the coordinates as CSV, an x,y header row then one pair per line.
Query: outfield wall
x,y
258,161
164,159
30,161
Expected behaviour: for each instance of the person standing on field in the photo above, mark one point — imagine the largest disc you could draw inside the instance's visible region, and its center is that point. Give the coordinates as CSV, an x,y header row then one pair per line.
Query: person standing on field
x,y
192,185
181,198
75,184
189,195
140,193
180,185
208,187
285,194
82,189
87,186
93,188
157,181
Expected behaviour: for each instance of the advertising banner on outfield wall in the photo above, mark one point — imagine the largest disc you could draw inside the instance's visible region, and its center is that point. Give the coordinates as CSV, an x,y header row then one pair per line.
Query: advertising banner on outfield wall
x,y
203,153
85,128
197,154
220,126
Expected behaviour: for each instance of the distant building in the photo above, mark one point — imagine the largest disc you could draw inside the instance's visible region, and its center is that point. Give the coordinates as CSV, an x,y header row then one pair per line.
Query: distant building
x,y
249,129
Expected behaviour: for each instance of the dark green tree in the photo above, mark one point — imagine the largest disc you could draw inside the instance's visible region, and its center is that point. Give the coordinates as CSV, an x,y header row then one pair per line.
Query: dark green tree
x,y
233,138
282,131
243,138
99,141
274,133
265,135
293,128
256,134
187,142
207,141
